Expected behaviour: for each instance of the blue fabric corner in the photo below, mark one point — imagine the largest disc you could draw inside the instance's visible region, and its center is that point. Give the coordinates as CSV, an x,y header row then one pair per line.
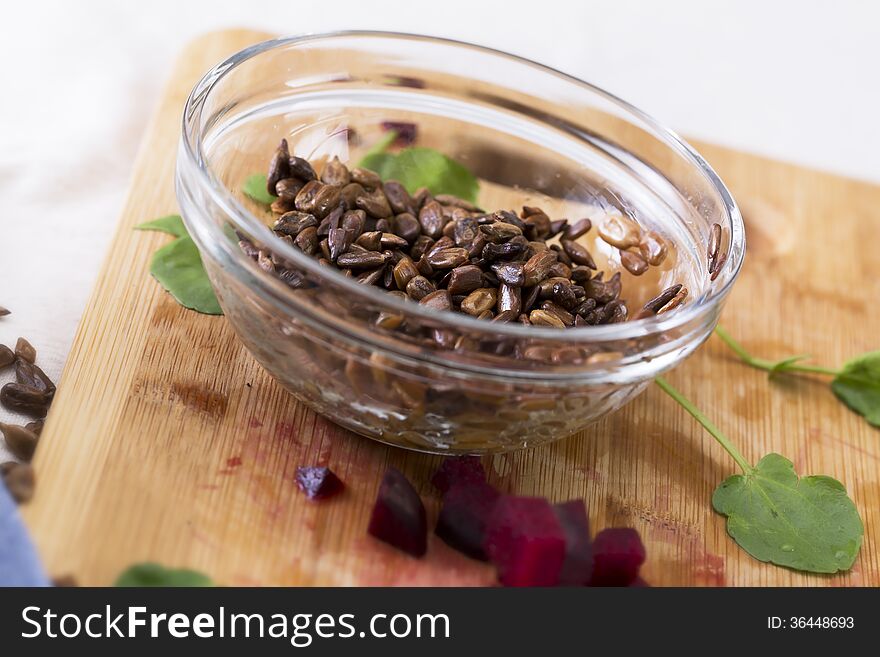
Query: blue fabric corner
x,y
19,563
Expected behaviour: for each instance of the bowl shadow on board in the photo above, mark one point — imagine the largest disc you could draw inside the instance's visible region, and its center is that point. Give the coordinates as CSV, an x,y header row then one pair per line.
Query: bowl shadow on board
x,y
568,467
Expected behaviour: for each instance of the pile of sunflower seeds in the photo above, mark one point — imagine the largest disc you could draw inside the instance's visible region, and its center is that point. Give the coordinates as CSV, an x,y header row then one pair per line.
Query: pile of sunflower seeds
x,y
447,254
31,394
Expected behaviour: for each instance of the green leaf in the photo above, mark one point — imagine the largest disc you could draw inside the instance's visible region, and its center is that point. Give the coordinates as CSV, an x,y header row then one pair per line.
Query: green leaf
x,y
380,147
379,162
255,188
858,386
807,524
172,224
416,167
152,574
178,268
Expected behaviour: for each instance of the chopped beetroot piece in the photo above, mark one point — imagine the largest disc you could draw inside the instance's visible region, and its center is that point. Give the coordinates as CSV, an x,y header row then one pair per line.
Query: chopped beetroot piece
x,y
318,483
618,553
406,132
525,542
639,583
578,565
404,81
464,516
399,516
458,471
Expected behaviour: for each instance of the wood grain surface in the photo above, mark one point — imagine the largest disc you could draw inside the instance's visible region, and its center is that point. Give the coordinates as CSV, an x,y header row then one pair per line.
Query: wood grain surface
x,y
168,442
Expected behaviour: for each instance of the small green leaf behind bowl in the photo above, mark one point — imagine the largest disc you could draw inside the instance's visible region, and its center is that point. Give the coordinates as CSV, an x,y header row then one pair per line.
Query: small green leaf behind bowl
x,y
254,187
153,574
858,386
172,224
416,167
806,523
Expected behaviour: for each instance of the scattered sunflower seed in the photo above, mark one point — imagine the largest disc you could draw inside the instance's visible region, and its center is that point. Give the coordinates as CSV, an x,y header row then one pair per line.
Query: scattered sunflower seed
x,y
19,480
25,350
21,442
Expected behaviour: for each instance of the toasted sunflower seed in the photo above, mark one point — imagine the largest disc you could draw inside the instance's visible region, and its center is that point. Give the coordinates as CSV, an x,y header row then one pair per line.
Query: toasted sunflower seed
x,y
578,253
619,231
653,248
300,168
509,298
419,287
360,260
25,350
633,262
577,229
279,167
714,246
19,480
544,318
465,279
29,374
7,357
432,220
676,301
336,173
24,399
655,304
437,300
537,267
479,301
21,442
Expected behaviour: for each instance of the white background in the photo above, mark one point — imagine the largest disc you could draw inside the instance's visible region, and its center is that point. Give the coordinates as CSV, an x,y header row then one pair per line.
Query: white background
x,y
799,81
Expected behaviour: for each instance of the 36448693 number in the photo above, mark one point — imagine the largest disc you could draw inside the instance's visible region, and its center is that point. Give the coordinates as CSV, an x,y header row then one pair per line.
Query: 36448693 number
x,y
811,622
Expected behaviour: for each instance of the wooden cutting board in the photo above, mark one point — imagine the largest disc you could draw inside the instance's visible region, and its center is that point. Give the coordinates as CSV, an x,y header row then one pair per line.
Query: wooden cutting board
x,y
168,442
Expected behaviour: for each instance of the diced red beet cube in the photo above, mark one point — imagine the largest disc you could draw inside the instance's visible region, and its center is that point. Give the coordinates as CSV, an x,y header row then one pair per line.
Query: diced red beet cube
x,y
318,483
399,516
618,553
458,471
578,564
525,542
639,583
464,517
406,132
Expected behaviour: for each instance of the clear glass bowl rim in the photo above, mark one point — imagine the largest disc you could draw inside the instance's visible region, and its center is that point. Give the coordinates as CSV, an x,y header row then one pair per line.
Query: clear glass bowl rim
x,y
192,146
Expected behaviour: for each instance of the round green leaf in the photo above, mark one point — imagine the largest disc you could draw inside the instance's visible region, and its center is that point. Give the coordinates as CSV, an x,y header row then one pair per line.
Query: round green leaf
x,y
805,523
178,268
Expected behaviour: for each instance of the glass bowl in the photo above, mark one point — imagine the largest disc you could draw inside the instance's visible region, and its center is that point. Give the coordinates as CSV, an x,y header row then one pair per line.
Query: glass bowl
x,y
394,370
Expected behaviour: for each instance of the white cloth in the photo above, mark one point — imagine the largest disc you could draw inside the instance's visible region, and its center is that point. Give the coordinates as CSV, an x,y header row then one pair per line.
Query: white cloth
x,y
791,79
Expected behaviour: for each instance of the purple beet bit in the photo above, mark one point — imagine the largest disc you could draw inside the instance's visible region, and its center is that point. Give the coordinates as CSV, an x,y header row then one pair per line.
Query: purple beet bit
x,y
618,554
458,471
406,132
318,483
525,542
464,516
578,564
399,515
